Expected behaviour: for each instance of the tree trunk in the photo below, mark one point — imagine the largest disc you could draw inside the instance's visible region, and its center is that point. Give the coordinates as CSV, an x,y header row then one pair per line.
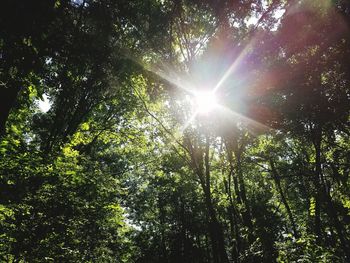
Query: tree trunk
x,y
215,228
233,221
277,181
246,215
324,195
7,99
317,185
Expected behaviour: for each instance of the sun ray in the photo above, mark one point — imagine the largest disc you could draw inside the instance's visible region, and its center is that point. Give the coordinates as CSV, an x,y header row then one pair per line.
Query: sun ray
x,y
181,82
188,122
166,73
257,125
234,65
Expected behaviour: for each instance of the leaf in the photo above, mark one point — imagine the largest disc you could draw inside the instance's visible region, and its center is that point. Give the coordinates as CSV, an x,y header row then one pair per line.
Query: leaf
x,y
312,209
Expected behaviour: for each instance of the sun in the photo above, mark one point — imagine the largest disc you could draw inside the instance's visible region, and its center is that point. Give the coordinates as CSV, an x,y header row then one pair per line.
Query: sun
x,y
205,102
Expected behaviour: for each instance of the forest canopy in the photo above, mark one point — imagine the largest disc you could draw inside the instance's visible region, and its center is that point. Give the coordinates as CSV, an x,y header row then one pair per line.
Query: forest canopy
x,y
174,131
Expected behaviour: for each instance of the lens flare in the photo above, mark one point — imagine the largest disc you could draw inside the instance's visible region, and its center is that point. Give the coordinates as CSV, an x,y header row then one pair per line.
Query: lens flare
x,y
205,102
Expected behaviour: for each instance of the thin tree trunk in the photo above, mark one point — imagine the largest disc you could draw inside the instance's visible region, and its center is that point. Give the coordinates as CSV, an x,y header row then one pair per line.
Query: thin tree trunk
x,y
233,222
7,100
214,225
246,214
277,181
317,185
239,187
322,193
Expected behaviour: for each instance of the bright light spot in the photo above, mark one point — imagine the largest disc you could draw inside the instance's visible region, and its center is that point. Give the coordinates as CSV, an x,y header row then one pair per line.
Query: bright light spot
x,y
205,102
279,13
44,104
252,20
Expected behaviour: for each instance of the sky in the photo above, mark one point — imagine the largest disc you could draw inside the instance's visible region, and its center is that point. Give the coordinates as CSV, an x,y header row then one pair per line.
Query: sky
x,y
44,104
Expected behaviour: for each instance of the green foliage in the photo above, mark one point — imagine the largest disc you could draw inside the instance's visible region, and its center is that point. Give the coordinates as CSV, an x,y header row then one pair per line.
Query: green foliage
x,y
122,167
305,249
